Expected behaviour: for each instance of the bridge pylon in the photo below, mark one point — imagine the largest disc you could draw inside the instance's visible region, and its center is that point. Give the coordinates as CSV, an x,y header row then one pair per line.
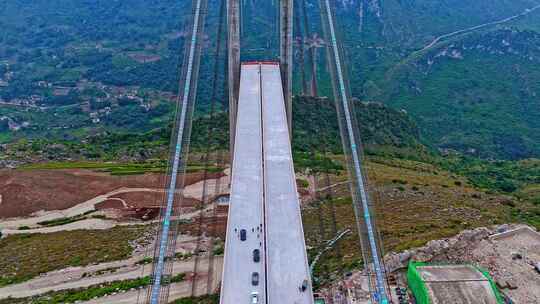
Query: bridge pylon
x,y
233,47
285,54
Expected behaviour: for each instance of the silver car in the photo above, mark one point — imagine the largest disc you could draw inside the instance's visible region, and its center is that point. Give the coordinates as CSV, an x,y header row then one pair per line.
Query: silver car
x,y
254,297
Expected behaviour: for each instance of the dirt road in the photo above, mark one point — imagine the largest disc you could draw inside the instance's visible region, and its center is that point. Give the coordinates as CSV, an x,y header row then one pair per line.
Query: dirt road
x,y
477,27
77,277
81,277
177,291
71,278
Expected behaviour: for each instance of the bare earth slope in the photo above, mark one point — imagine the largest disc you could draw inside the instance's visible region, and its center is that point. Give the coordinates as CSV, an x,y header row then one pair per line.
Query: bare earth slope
x,y
24,192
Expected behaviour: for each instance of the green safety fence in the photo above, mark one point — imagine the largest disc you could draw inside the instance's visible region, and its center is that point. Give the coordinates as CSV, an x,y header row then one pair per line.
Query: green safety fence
x,y
416,283
498,295
419,288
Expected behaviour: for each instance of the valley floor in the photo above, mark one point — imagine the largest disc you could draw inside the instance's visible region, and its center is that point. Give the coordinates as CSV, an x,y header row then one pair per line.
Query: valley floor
x,y
416,203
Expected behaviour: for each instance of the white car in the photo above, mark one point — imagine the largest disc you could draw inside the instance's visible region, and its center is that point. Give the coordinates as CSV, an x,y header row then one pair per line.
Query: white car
x,y
254,297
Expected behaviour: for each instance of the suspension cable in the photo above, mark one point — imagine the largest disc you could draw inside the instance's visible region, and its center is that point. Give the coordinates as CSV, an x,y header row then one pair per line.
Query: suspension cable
x,y
163,244
381,294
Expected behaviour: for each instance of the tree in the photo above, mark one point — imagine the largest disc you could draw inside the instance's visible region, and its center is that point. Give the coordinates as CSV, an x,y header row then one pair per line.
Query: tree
x,y
4,125
506,186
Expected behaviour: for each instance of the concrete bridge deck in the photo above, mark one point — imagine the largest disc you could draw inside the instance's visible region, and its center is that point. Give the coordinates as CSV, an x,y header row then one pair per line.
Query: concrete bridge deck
x,y
264,200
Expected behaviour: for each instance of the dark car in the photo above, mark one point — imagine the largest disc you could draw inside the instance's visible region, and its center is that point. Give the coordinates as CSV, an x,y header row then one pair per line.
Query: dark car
x,y
256,255
243,235
304,286
255,279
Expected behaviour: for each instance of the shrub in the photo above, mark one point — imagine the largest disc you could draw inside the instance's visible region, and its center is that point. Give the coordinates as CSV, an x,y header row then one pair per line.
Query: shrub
x,y
506,186
146,260
219,250
302,183
399,181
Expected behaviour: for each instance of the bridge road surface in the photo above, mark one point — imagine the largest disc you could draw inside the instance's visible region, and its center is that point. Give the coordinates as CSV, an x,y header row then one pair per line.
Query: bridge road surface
x,y
263,192
246,201
287,263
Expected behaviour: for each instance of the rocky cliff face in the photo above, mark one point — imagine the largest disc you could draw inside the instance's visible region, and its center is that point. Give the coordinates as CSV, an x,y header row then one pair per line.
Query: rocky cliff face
x,y
508,252
458,249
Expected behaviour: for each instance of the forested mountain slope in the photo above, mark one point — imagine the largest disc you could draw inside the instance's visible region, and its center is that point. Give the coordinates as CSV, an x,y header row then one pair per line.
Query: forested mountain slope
x,y
465,71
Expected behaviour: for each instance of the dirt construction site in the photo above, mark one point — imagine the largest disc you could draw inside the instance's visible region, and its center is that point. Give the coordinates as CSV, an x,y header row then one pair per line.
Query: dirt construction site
x,y
509,253
57,202
23,192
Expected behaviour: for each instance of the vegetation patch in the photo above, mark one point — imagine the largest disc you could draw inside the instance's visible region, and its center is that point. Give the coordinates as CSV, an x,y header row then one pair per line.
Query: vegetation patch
x,y
24,256
316,127
113,168
208,299
145,261
66,220
502,176
302,183
100,272
219,248
83,294
412,207
94,291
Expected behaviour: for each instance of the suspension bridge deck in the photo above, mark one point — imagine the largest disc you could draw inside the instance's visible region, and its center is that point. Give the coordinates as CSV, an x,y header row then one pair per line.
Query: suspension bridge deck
x,y
264,200
246,201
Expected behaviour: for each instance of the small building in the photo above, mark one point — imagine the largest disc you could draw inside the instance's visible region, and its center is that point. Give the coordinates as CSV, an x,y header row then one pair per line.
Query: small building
x,y
457,284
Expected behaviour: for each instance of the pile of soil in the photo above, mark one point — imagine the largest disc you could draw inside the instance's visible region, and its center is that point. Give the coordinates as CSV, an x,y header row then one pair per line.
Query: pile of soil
x,y
144,205
215,226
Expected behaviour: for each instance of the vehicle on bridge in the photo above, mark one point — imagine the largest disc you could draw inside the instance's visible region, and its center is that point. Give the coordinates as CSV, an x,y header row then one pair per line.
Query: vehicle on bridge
x,y
256,255
255,279
243,235
254,297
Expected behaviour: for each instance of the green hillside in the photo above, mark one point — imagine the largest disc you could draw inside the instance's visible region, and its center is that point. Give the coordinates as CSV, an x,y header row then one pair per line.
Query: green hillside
x,y
315,127
475,92
478,94
72,69
315,130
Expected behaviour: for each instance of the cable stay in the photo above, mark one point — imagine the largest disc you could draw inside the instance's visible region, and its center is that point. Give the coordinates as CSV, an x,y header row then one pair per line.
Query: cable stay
x,y
232,11
352,148
180,143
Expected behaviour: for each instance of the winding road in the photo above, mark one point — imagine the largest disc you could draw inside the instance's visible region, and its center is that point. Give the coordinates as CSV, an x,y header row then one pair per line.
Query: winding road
x,y
477,27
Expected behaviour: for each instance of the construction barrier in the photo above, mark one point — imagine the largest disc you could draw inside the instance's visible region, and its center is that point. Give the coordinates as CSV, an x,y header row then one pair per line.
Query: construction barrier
x,y
420,291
